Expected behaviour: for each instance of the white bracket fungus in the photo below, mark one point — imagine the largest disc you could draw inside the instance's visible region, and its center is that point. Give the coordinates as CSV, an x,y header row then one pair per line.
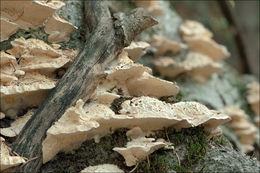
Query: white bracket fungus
x,y
7,28
136,49
105,168
138,149
17,125
9,69
164,45
59,29
34,54
39,60
158,114
132,79
148,85
199,39
207,47
124,68
200,67
192,28
6,159
97,120
245,131
17,14
69,131
29,90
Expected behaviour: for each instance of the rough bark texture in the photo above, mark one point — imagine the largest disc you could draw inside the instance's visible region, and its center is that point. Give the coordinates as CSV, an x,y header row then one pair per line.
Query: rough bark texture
x,y
103,45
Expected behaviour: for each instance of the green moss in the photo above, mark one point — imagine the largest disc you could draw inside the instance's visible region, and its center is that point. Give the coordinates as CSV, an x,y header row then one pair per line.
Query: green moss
x,y
195,140
190,145
221,140
61,169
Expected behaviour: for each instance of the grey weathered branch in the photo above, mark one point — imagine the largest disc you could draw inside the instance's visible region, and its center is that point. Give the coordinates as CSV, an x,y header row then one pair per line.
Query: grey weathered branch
x,y
107,39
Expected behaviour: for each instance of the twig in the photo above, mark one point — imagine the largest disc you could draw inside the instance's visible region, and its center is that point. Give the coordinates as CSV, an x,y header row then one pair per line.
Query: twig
x,y
177,157
136,166
27,161
148,160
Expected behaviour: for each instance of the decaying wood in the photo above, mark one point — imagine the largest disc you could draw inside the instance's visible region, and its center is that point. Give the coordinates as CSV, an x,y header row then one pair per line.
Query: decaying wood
x,y
108,37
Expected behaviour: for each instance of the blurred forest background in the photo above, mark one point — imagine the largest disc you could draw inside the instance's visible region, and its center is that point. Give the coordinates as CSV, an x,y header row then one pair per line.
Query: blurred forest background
x,y
235,24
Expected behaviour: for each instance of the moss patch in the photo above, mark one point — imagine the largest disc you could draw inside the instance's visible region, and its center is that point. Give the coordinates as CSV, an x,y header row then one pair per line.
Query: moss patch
x,y
190,146
90,154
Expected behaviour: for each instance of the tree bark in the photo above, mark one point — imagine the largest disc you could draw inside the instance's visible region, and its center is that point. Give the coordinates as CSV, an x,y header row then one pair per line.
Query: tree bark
x,y
107,39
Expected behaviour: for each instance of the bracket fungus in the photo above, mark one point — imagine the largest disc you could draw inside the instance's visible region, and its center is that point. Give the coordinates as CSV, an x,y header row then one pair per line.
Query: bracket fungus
x,y
30,90
69,131
124,69
10,70
245,131
132,79
59,29
105,168
138,149
199,39
7,28
17,125
158,114
253,98
164,45
26,84
136,49
200,67
97,120
124,80
7,159
148,85
192,28
35,54
17,14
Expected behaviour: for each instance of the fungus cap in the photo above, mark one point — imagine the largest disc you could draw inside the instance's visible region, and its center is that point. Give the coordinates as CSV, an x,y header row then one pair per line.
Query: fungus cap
x,y
148,85
7,160
193,28
105,168
68,132
164,45
17,125
7,28
168,67
138,149
207,47
59,29
136,49
244,130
